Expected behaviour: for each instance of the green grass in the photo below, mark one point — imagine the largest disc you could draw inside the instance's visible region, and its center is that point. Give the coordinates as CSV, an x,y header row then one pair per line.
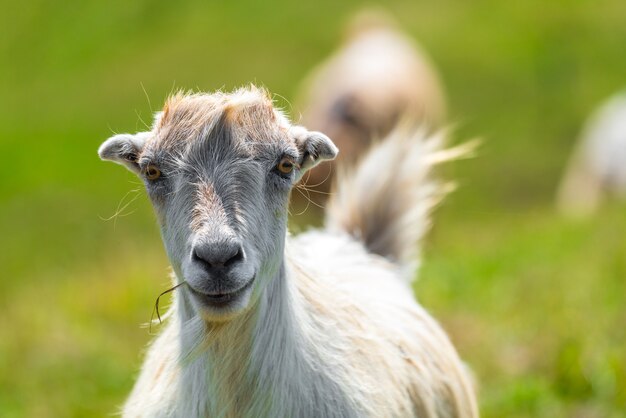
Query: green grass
x,y
534,303
539,302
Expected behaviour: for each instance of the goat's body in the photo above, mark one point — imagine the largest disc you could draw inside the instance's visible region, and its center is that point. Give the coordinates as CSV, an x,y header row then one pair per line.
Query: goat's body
x,y
359,93
597,168
321,325
338,335
338,332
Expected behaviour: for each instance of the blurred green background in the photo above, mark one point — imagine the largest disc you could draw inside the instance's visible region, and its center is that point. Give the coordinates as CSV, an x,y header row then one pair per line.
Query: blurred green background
x,y
534,303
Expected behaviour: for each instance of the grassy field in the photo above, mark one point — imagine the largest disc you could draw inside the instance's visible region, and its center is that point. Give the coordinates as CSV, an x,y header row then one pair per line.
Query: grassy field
x,y
536,304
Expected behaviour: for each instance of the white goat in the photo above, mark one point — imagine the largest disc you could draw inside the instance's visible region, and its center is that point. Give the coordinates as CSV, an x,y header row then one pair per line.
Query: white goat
x,y
598,165
378,75
267,325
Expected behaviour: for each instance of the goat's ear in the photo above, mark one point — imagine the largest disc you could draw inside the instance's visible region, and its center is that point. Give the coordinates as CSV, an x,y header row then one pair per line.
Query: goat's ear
x,y
123,149
314,147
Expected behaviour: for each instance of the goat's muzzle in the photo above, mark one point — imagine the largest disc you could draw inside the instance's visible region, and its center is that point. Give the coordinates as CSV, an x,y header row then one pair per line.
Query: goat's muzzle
x,y
219,275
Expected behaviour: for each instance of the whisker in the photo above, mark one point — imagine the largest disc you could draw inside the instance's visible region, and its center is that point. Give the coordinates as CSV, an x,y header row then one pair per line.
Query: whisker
x,y
308,196
308,201
147,97
141,119
330,172
305,187
121,207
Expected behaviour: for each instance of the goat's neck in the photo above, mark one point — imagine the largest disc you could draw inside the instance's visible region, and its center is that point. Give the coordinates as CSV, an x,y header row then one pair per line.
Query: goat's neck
x,y
252,363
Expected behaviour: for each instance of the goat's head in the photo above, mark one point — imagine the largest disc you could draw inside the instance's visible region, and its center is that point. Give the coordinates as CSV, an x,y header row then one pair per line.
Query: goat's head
x,y
218,169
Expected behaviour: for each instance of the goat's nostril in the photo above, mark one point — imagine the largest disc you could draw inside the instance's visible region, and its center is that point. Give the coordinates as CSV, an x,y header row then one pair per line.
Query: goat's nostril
x,y
235,258
199,259
218,256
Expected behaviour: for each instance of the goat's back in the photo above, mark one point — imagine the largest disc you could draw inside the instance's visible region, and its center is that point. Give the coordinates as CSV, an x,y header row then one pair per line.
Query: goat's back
x,y
399,360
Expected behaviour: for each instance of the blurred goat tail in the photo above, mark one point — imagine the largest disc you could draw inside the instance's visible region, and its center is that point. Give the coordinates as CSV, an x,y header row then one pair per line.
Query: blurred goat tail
x,y
385,201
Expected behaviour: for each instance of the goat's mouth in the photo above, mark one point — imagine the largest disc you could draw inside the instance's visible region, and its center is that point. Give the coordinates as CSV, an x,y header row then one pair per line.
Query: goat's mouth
x,y
221,299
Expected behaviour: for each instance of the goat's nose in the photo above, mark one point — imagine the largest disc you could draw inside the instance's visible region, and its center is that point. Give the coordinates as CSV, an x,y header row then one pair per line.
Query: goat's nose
x,y
221,255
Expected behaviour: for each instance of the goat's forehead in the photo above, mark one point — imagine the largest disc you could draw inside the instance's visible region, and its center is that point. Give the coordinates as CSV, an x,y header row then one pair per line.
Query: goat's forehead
x,y
247,117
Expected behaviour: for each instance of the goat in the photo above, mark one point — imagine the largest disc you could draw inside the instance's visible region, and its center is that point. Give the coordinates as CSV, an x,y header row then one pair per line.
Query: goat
x,y
598,165
357,94
264,324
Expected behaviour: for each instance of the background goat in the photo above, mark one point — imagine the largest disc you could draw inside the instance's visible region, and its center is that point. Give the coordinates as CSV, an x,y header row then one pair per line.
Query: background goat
x,y
323,324
598,165
359,93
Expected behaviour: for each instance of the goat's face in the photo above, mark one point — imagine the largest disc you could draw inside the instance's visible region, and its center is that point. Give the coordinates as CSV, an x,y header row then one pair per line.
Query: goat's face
x,y
218,170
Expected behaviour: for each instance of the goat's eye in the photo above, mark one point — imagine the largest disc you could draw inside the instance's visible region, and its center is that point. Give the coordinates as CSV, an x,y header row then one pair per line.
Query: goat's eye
x,y
152,172
285,166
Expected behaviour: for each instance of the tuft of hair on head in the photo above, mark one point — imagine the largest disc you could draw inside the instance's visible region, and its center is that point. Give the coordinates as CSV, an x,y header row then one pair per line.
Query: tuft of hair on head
x,y
385,201
250,106
187,115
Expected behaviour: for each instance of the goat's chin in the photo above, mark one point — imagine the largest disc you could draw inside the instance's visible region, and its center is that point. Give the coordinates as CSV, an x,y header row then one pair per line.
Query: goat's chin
x,y
222,308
